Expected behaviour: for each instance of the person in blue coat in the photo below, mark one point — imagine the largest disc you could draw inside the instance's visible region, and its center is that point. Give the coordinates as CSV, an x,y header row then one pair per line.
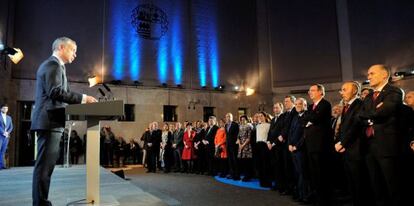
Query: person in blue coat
x,y
6,127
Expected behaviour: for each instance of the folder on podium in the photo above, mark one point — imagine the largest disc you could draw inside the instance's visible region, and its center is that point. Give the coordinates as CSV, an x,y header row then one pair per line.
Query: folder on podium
x,y
93,113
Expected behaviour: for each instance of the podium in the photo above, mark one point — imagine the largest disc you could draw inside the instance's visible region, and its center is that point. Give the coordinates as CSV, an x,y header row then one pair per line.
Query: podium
x,y
93,113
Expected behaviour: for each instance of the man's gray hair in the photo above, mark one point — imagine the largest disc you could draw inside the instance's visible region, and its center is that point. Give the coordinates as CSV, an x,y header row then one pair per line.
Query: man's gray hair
x,y
61,40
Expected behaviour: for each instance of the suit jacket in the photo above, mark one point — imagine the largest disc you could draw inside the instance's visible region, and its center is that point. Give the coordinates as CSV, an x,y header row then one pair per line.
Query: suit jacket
x,y
232,134
385,141
406,124
154,138
287,121
318,135
351,132
6,127
276,129
178,138
51,96
210,134
296,135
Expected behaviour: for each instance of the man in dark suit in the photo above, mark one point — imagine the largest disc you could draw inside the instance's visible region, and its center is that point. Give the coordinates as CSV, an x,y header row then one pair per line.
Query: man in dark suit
x,y
178,146
48,120
275,145
319,143
406,129
380,115
152,141
208,141
232,132
350,142
6,127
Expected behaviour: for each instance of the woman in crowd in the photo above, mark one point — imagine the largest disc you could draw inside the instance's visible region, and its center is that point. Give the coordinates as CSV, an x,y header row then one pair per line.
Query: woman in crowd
x,y
75,147
166,148
221,153
245,149
188,155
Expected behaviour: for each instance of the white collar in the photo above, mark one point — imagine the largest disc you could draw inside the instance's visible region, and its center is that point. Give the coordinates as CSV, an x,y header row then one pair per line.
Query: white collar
x,y
316,103
59,59
352,100
381,87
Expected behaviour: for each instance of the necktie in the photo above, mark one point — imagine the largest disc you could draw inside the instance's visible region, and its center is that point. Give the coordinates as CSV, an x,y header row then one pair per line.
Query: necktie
x,y
346,107
369,132
375,95
314,106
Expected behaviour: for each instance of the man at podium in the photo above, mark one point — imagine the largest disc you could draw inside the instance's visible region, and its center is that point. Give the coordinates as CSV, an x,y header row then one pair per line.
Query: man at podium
x,y
51,97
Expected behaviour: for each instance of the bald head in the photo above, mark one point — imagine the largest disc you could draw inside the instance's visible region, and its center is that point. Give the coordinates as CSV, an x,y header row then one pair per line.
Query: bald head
x,y
378,75
409,99
349,90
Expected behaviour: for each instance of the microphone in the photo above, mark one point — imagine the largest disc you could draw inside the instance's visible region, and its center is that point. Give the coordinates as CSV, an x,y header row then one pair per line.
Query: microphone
x,y
106,87
102,93
111,95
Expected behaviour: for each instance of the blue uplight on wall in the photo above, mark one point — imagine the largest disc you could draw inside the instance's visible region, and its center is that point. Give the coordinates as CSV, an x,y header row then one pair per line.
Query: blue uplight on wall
x,y
162,59
124,40
118,40
176,47
134,57
214,64
206,41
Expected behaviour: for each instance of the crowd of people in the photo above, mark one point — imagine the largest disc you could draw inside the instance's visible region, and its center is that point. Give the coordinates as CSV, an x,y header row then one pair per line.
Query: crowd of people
x,y
362,147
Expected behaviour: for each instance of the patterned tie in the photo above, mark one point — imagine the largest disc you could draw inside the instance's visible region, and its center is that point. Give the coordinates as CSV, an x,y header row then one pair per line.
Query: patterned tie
x,y
369,132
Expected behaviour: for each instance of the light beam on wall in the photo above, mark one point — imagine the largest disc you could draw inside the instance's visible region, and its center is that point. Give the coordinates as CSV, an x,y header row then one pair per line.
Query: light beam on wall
x,y
118,39
206,42
134,56
176,47
162,59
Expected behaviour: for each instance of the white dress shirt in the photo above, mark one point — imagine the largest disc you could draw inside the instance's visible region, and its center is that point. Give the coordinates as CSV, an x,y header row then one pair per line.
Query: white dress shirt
x,y
262,130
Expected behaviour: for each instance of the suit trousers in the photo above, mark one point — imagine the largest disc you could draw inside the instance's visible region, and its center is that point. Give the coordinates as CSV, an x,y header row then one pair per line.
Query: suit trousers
x,y
3,147
384,171
47,155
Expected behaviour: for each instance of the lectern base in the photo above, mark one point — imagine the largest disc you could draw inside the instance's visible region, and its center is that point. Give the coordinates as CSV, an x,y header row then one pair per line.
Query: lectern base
x,y
107,200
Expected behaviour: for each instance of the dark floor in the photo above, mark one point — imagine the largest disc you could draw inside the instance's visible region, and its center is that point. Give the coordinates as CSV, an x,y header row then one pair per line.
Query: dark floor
x,y
193,190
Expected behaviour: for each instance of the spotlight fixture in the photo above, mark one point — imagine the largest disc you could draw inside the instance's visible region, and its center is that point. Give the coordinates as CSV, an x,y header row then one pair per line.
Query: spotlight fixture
x,y
116,82
180,86
165,85
236,88
204,87
365,82
220,87
399,74
138,83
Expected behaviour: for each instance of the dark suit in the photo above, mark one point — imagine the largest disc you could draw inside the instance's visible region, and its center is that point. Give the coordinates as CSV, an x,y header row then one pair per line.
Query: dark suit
x,y
232,133
406,123
179,145
277,153
51,97
383,146
296,138
210,135
4,141
319,146
152,140
351,136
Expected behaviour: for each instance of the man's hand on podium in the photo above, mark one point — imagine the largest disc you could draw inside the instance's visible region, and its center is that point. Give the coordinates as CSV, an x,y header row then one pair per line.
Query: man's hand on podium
x,y
90,99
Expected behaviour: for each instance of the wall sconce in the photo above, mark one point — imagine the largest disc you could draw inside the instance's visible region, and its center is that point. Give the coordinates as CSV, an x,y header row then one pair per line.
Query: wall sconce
x,y
192,103
15,54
